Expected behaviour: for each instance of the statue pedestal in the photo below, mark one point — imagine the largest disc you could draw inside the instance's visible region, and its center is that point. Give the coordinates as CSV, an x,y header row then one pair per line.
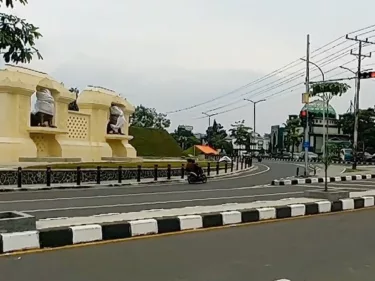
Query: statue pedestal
x,y
120,146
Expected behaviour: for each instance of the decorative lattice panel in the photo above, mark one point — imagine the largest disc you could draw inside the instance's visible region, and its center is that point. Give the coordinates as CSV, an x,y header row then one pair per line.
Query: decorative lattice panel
x,y
41,143
78,126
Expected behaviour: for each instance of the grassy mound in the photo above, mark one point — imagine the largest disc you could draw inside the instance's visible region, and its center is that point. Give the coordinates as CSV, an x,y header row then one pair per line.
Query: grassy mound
x,y
154,142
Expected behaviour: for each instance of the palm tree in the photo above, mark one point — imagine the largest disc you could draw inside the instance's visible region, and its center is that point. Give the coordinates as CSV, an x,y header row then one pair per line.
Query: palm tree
x,y
293,136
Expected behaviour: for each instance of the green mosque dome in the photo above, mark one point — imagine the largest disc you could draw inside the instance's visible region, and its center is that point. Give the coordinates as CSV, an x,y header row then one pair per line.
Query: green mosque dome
x,y
316,107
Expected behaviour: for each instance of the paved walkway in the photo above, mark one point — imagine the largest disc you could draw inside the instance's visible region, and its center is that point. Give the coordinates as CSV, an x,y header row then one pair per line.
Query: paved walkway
x,y
337,170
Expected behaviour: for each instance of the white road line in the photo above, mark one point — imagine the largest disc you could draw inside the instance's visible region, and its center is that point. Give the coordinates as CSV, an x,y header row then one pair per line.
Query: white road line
x,y
134,194
330,186
160,202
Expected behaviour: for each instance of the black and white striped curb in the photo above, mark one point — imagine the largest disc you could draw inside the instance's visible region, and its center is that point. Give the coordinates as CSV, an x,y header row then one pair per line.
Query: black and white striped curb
x,y
320,180
60,237
318,161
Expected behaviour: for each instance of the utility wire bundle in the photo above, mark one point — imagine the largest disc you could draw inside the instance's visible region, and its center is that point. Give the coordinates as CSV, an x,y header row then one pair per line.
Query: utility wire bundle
x,y
285,80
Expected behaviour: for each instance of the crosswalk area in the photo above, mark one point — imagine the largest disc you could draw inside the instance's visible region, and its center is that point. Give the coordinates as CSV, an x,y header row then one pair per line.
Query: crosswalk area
x,y
357,185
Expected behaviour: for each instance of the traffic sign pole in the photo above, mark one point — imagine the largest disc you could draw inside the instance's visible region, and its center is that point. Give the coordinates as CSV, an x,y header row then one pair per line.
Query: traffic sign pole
x,y
307,91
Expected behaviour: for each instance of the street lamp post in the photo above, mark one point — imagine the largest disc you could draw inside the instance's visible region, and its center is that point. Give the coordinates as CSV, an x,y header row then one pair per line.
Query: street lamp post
x,y
254,104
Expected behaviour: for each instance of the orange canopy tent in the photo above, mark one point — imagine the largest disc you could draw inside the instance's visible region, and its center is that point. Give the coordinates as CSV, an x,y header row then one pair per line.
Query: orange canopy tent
x,y
207,149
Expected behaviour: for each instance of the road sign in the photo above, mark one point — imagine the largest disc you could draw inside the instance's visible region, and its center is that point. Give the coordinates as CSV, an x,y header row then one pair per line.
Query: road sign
x,y
306,144
305,98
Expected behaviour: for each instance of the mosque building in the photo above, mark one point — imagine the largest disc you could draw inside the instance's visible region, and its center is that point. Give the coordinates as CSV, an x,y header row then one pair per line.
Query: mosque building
x,y
315,109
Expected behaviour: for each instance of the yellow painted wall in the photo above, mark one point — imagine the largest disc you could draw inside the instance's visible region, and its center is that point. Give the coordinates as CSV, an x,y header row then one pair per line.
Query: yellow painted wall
x,y
78,134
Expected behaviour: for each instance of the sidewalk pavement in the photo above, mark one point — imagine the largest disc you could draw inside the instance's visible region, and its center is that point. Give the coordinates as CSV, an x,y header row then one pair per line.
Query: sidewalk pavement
x,y
338,170
132,182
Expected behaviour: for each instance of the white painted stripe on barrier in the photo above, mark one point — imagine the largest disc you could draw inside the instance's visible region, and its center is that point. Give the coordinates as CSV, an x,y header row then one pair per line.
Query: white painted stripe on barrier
x,y
297,210
368,201
267,213
231,217
287,182
301,181
337,178
358,177
347,204
348,178
190,222
143,227
324,206
314,180
368,177
20,241
86,233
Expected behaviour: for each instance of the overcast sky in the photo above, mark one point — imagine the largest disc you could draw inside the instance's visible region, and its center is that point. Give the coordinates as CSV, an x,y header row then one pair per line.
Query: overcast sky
x,y
170,54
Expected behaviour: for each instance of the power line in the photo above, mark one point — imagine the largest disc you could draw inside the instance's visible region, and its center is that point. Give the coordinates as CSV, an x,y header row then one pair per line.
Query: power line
x,y
299,73
282,69
282,91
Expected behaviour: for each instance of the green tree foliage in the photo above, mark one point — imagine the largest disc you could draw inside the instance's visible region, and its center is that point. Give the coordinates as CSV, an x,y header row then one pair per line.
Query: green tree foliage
x,y
216,137
332,88
293,136
17,37
185,138
149,118
366,127
328,90
241,134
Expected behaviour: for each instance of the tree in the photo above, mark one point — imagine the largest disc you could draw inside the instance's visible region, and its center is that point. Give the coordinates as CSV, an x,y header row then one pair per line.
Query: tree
x,y
149,118
17,37
216,136
326,91
366,128
185,137
293,136
241,134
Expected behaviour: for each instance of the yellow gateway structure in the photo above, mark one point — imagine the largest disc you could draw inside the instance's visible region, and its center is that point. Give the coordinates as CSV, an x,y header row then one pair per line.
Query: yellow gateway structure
x,y
52,133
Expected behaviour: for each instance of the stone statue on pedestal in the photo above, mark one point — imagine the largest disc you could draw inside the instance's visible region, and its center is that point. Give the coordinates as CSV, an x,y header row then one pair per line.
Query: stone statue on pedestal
x,y
116,120
44,109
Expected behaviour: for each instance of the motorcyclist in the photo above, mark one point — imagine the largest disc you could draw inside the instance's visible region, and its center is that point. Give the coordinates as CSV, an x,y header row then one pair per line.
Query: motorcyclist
x,y
193,167
190,166
197,169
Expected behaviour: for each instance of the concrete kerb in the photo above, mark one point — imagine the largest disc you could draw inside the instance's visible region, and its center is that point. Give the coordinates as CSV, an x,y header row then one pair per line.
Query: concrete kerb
x,y
318,162
67,236
322,179
123,184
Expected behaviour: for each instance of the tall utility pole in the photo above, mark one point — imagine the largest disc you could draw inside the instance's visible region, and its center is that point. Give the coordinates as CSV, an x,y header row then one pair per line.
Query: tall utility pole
x,y
209,117
307,82
254,104
358,88
209,123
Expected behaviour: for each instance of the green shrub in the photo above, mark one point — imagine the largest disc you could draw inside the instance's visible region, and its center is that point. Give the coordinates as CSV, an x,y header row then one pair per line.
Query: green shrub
x,y
154,142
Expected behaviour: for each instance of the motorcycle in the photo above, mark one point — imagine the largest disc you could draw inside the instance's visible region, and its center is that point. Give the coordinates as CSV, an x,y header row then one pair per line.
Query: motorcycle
x,y
194,178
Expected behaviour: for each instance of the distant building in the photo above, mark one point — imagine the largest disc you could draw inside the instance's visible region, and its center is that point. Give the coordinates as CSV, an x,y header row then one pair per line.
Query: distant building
x,y
335,134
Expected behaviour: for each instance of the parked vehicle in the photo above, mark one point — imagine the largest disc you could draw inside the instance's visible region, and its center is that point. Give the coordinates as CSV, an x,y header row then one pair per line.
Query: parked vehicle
x,y
225,159
310,155
364,156
286,155
346,154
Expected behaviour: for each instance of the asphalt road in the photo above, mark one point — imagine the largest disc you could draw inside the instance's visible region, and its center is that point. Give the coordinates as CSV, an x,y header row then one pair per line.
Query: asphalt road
x,y
246,187
321,248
